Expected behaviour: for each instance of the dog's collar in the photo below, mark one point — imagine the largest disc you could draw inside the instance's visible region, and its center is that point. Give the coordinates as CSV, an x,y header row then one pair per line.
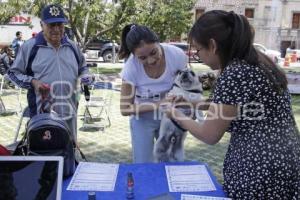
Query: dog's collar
x,y
178,126
192,91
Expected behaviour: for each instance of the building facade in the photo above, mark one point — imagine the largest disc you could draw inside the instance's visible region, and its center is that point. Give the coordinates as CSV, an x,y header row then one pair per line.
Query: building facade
x,y
276,22
25,23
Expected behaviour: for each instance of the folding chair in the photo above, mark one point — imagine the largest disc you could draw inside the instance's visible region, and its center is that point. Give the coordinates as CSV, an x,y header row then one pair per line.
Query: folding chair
x,y
2,83
3,109
25,114
96,113
2,106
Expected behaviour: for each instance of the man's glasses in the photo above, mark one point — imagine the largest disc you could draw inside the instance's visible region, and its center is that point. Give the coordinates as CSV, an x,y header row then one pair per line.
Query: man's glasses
x,y
52,25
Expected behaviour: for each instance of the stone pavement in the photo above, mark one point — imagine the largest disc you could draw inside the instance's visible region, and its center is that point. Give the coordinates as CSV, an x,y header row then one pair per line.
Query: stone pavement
x,y
113,145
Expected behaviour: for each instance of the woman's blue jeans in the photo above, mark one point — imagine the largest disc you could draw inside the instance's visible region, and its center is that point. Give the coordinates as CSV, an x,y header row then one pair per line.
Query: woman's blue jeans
x,y
144,130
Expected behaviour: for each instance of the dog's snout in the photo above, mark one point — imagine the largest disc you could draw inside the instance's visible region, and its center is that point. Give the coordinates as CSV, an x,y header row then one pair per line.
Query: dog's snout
x,y
185,75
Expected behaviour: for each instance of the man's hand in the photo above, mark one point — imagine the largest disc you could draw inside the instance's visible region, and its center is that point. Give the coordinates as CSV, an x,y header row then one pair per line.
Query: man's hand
x,y
87,79
40,87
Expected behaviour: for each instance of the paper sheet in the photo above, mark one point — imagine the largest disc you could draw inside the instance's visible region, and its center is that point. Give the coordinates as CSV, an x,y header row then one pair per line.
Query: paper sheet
x,y
189,178
94,177
197,197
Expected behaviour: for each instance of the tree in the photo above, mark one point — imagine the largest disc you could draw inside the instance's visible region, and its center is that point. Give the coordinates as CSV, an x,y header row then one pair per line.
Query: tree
x,y
9,9
89,19
168,18
93,18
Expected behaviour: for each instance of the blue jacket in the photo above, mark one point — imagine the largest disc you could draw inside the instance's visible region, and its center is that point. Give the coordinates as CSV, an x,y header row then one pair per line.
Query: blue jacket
x,y
59,68
16,44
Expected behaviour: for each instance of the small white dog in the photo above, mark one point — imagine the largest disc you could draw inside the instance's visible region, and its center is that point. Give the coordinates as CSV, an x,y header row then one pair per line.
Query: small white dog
x,y
169,145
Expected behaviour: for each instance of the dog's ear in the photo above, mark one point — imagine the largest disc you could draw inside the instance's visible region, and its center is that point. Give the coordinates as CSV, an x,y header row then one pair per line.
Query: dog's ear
x,y
211,76
201,77
208,80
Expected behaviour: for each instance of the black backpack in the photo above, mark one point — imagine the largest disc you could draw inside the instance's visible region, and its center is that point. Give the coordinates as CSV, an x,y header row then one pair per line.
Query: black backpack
x,y
49,135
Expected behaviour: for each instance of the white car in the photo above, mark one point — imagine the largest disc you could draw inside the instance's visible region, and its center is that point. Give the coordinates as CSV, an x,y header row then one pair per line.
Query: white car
x,y
274,55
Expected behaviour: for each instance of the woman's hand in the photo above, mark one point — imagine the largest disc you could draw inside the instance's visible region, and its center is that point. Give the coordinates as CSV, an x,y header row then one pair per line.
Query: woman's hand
x,y
174,99
170,110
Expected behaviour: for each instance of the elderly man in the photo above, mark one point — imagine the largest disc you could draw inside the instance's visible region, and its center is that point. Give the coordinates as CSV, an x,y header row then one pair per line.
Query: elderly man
x,y
49,66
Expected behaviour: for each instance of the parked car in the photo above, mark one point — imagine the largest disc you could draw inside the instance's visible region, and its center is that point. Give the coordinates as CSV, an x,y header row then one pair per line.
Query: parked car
x,y
104,48
273,54
190,52
289,52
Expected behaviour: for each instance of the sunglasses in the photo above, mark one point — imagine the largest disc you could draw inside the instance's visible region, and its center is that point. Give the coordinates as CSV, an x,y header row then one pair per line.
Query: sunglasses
x,y
52,25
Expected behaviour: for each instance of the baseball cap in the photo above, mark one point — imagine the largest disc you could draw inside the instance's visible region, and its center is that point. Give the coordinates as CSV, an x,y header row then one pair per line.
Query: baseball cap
x,y
53,13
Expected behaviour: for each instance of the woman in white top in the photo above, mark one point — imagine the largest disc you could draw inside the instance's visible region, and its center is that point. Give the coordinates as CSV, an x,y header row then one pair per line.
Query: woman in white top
x,y
148,74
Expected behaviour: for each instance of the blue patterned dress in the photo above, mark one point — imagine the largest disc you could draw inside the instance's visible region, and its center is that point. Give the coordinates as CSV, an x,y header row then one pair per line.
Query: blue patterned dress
x,y
263,157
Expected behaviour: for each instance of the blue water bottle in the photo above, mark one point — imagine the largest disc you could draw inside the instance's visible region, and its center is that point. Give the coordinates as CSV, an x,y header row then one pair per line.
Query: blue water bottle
x,y
130,185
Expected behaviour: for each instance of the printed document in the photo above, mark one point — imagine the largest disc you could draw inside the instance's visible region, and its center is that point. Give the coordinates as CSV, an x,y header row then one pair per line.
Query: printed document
x,y
94,177
189,178
197,197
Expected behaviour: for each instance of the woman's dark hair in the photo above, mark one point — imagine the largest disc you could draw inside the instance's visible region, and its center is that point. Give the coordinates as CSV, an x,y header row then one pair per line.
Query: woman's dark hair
x,y
234,37
132,36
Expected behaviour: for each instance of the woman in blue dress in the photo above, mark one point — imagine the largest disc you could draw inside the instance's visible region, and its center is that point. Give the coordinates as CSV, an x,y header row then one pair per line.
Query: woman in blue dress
x,y
251,101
